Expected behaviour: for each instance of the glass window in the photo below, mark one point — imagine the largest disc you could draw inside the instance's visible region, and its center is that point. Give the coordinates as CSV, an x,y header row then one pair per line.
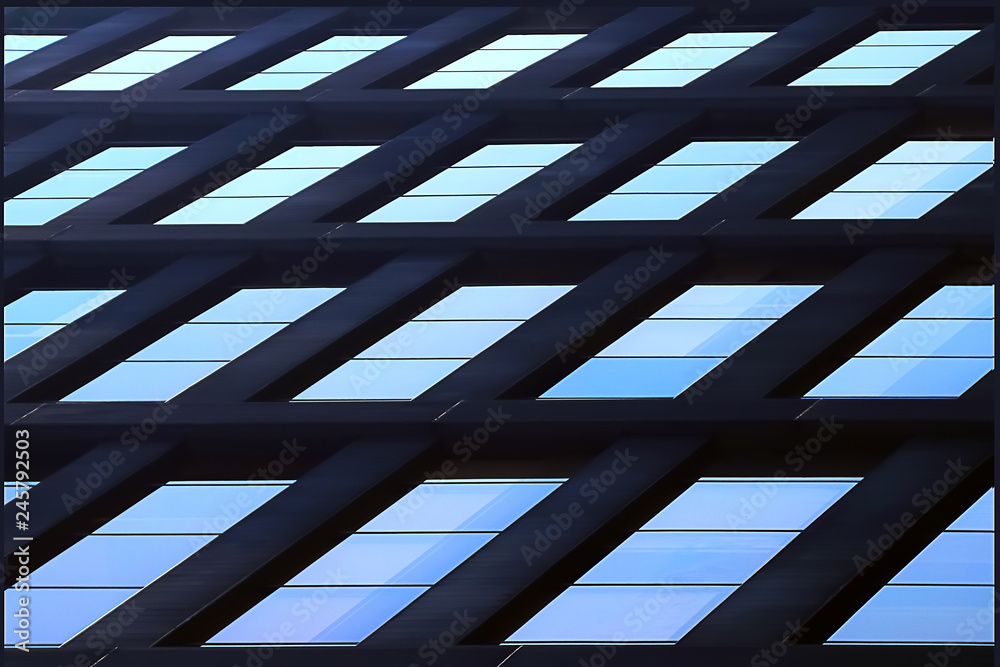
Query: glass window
x,y
683,60
683,181
41,313
884,58
260,189
422,352
11,490
149,60
18,46
74,186
681,342
470,183
194,350
373,574
660,582
496,61
938,350
906,183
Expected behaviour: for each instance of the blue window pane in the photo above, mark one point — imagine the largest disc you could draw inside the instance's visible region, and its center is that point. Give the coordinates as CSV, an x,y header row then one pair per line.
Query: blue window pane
x,y
923,338
918,37
23,212
391,559
29,42
459,80
56,306
356,42
438,340
144,381
930,152
494,302
102,81
318,61
867,76
632,378
728,152
923,614
886,56
269,81
187,43
58,615
466,506
614,614
271,183
687,58
642,207
914,177
191,508
207,342
129,157
317,157
748,506
342,615
12,489
977,517
650,78
117,560
221,211
721,38
545,41
679,338
952,558
868,205
687,178
426,209
268,305
146,62
736,301
687,558
497,60
368,380
72,183
957,301
477,181
902,377
19,337
516,155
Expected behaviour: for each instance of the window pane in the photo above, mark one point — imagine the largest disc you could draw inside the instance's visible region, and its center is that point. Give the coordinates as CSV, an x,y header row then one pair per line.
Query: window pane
x,y
957,301
494,302
59,614
952,558
426,209
920,338
497,60
145,381
977,517
902,377
736,301
129,157
20,212
632,378
399,379
473,181
643,207
221,211
516,155
439,340
271,183
55,306
207,342
679,338
268,305
145,62
650,78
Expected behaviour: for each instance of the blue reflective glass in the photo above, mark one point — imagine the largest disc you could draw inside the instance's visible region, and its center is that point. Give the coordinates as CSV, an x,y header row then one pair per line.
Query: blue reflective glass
x,y
687,58
129,157
886,56
494,302
736,301
853,76
391,559
22,212
221,211
29,42
924,338
207,342
957,301
950,152
55,306
59,614
977,517
19,337
318,615
495,60
541,41
642,207
687,558
868,205
187,43
952,558
765,505
191,508
462,80
650,78
614,614
318,61
372,380
918,37
728,152
146,62
687,178
720,38
270,81
902,377
426,209
464,506
473,181
356,42
632,378
268,305
271,183
923,614
73,183
438,340
144,381
516,155
317,157
101,81
679,338
914,177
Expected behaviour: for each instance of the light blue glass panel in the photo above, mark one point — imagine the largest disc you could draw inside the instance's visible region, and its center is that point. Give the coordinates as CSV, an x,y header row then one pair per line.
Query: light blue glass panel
x,y
941,151
902,377
728,152
473,181
438,340
317,157
650,78
643,207
78,183
19,337
918,37
187,43
682,338
268,305
952,558
207,342
100,81
221,210
736,301
271,183
145,381
116,560
687,178
687,558
853,76
957,301
495,60
146,62
22,212
129,157
886,56
459,80
268,81
426,209
977,517
10,56
618,614
686,58
543,41
357,42
460,506
768,505
11,489
191,508
914,177
391,559
873,205
318,61
516,155
923,614
29,42
494,302
926,338
721,38
318,615
55,306
372,380
59,614
632,378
